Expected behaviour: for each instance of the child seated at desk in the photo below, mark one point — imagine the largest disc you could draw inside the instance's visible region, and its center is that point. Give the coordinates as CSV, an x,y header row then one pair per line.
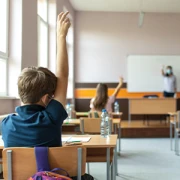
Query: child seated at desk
x,y
43,95
102,101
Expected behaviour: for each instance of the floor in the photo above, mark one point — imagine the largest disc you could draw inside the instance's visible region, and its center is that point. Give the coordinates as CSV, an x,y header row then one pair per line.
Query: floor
x,y
143,159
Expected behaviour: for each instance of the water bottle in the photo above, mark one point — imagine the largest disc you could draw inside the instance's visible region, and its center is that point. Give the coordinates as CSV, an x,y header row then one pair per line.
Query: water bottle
x,y
116,107
104,124
69,110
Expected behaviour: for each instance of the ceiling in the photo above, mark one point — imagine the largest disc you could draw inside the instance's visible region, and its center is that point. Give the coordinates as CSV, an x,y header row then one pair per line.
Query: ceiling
x,y
168,6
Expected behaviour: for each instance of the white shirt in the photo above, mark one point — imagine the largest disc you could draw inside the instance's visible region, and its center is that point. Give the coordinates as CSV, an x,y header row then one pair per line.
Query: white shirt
x,y
170,83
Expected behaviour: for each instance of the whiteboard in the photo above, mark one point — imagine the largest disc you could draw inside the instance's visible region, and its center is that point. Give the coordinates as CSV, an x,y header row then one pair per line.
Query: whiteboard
x,y
144,72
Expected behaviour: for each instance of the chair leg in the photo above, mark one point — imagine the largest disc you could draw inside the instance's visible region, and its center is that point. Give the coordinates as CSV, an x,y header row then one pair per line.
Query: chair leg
x,y
176,143
88,169
79,163
174,134
112,171
177,136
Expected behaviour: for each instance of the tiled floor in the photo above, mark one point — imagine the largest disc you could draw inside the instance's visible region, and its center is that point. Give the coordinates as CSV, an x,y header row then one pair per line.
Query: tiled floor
x,y
143,159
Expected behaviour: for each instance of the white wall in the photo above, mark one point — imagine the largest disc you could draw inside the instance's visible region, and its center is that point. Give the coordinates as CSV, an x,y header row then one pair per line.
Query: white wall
x,y
103,41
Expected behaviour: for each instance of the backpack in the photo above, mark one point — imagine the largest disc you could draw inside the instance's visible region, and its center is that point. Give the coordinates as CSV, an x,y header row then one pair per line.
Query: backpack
x,y
43,168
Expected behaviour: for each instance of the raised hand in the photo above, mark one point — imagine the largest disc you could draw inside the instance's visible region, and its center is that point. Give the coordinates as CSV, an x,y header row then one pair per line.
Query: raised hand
x,y
121,79
63,24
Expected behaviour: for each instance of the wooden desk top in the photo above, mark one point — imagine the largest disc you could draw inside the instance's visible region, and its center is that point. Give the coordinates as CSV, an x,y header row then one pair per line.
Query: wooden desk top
x,y
95,141
159,98
172,113
87,113
98,141
77,121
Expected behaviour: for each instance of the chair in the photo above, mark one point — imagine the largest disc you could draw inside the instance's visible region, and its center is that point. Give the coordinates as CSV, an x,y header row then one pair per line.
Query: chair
x,y
20,163
177,134
92,125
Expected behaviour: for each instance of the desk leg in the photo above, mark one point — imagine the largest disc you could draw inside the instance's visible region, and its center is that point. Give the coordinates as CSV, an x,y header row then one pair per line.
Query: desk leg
x,y
114,165
115,161
108,163
119,134
115,129
113,176
129,118
175,137
171,136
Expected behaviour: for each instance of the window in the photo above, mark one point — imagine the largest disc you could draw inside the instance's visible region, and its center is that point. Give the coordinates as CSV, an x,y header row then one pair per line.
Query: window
x,y
43,33
4,11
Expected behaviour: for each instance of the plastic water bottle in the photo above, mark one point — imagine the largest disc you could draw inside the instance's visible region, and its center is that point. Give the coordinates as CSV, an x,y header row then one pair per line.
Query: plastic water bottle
x,y
69,110
104,124
116,107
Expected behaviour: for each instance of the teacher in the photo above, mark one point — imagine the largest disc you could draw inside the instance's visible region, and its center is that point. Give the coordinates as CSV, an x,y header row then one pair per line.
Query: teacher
x,y
170,86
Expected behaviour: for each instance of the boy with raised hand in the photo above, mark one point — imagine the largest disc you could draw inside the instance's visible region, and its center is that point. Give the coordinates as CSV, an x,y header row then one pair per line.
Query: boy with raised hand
x,y
43,95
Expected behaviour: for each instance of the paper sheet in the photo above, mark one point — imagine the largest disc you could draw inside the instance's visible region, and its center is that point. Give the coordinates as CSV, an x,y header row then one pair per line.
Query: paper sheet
x,y
65,139
79,139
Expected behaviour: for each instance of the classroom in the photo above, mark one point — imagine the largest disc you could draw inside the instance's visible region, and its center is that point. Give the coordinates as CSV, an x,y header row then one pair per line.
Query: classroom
x,y
90,89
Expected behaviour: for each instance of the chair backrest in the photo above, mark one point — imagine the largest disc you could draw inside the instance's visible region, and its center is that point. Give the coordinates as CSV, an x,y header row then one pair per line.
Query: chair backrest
x,y
92,125
94,114
97,114
73,115
23,162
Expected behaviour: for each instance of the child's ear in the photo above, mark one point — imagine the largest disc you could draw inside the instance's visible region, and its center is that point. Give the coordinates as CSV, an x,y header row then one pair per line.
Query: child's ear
x,y
45,99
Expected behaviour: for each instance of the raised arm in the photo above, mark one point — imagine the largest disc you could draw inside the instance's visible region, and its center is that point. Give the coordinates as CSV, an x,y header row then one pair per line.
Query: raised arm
x,y
62,71
162,71
118,87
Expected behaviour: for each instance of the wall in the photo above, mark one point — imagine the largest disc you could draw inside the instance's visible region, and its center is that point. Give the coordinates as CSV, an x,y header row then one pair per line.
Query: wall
x,y
103,41
8,105
29,33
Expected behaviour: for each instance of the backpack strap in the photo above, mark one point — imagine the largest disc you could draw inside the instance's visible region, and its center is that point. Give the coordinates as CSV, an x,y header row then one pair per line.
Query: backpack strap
x,y
42,162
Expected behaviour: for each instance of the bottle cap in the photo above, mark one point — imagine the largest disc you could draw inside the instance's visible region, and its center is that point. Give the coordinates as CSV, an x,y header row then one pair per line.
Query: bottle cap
x,y
103,110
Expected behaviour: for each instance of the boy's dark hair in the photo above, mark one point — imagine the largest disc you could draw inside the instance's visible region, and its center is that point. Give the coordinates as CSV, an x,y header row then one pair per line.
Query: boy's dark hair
x,y
34,83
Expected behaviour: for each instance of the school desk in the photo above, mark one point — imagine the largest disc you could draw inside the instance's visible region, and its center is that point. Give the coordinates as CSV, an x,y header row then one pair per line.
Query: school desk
x,y
153,106
116,122
95,151
86,114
